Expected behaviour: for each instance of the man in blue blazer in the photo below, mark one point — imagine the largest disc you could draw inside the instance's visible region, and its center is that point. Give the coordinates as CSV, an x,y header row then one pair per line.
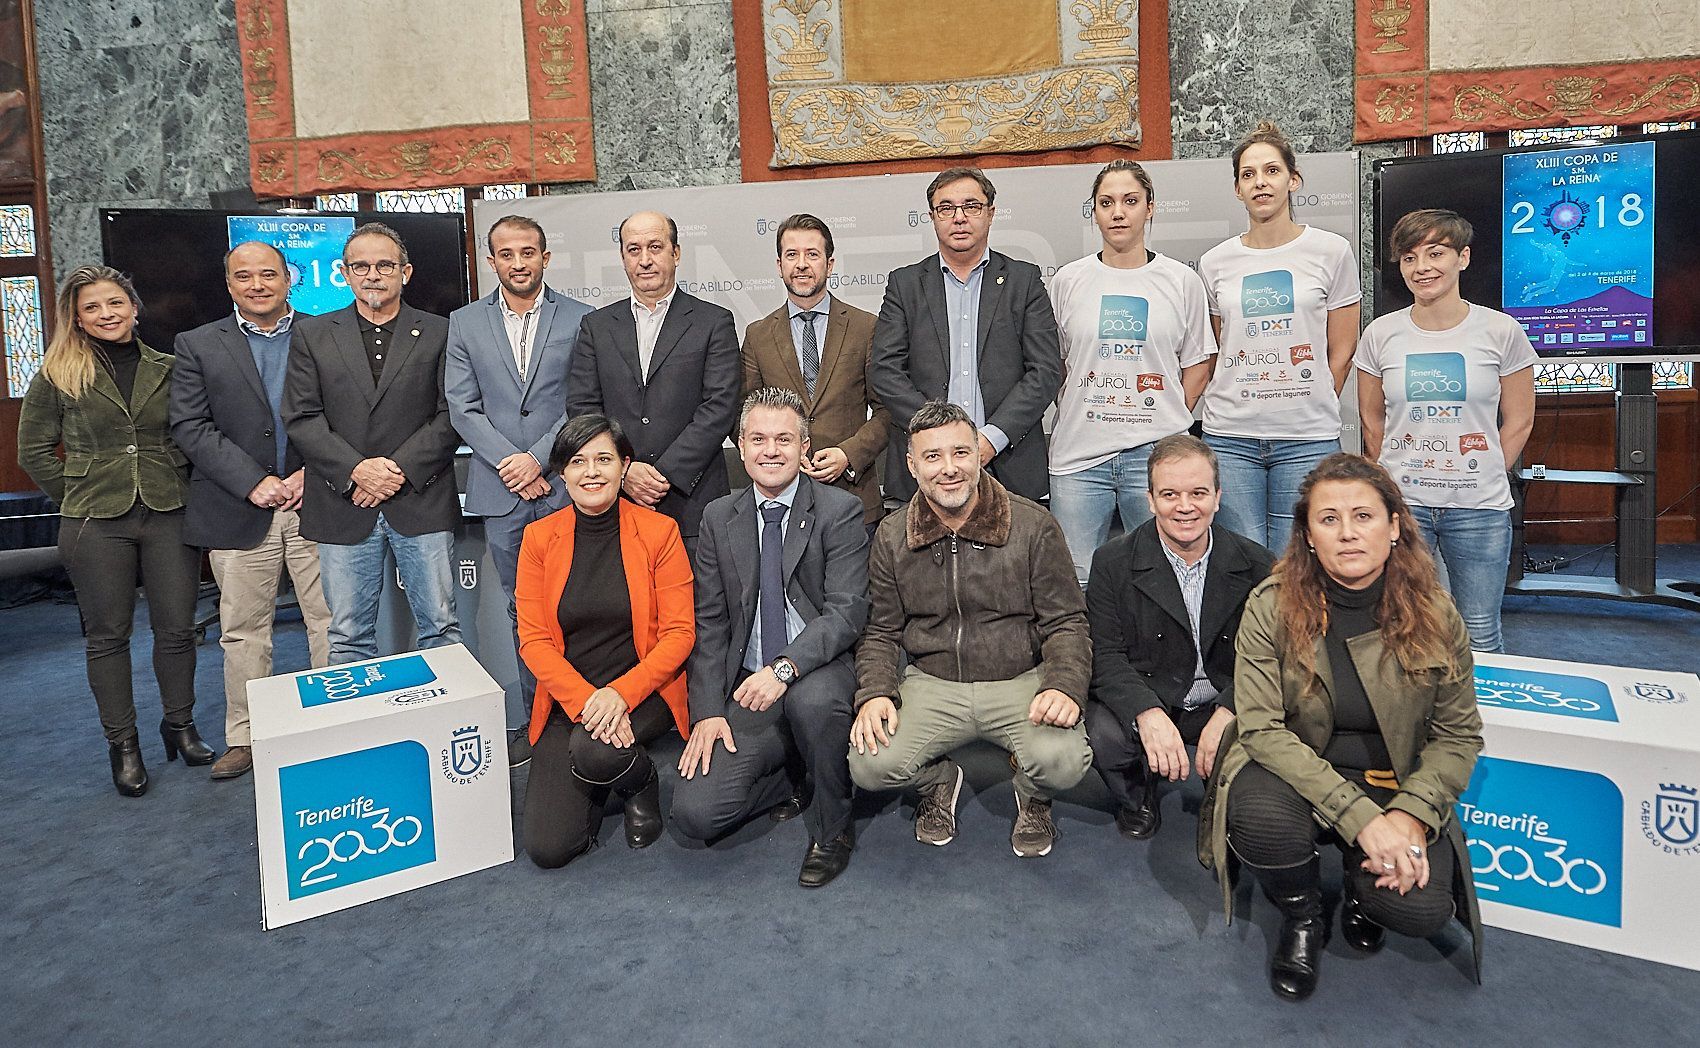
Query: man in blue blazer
x,y
505,376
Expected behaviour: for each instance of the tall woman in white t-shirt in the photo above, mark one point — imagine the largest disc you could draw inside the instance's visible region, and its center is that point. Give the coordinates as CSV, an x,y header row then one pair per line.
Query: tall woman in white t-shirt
x,y
1136,347
1447,394
1284,298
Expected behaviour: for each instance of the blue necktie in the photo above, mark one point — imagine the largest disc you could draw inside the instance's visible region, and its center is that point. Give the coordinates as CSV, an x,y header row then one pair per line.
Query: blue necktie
x,y
773,637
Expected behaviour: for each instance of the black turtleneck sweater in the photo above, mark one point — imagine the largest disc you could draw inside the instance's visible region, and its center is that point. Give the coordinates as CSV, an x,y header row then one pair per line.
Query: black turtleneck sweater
x,y
596,606
120,360
1357,743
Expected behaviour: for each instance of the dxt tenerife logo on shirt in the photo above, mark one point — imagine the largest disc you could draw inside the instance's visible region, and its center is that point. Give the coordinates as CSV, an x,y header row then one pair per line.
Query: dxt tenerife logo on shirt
x,y
358,681
1546,839
1122,330
1556,693
1265,295
356,816
1434,376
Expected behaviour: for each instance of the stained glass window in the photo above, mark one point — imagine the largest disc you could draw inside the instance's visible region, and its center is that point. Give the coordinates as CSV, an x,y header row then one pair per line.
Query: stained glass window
x,y
1672,374
423,201
17,231
1542,136
20,303
338,202
1460,141
1575,376
515,191
1668,125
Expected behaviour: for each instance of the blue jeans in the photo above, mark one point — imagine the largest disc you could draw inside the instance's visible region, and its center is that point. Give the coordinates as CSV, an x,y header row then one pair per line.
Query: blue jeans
x,y
354,577
1085,501
1260,483
1472,549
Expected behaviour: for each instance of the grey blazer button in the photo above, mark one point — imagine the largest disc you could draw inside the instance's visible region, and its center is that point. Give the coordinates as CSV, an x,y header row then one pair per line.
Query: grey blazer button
x,y
524,412
645,420
129,449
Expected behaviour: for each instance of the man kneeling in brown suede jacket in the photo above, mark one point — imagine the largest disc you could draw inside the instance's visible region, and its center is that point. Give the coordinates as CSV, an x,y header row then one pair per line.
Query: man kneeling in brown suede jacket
x,y
976,586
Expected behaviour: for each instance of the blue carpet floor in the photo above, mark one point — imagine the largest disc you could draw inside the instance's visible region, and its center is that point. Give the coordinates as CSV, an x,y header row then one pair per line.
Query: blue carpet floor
x,y
137,921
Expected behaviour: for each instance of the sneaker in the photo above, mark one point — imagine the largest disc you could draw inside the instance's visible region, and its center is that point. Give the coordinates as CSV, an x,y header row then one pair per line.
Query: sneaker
x,y
935,816
1034,832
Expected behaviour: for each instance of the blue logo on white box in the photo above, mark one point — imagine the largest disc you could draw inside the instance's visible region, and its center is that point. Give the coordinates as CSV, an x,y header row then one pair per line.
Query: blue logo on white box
x,y
356,816
1123,318
1546,839
1559,694
1434,376
1267,294
358,681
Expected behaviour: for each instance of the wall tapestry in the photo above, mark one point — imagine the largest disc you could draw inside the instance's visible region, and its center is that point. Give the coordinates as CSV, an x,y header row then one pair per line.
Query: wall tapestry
x,y
852,81
1429,66
370,94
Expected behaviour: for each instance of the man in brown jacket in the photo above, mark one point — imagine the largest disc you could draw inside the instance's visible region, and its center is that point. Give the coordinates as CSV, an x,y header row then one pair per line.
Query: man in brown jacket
x,y
817,347
975,585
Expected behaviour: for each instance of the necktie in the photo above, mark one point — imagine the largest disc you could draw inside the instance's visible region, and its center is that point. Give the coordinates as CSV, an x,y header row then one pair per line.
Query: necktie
x,y
773,637
811,350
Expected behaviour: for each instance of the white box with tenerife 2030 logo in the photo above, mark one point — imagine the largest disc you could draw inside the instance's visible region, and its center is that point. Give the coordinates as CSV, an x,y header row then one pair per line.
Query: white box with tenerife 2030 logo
x,y
375,778
1583,816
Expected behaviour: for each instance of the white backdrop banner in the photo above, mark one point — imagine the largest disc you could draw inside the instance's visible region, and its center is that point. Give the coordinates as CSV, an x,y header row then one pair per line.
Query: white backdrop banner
x,y
879,222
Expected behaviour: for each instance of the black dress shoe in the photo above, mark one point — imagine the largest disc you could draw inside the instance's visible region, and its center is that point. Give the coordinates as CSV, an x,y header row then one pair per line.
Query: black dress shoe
x,y
1144,816
823,862
128,773
519,749
643,813
1360,932
184,739
789,808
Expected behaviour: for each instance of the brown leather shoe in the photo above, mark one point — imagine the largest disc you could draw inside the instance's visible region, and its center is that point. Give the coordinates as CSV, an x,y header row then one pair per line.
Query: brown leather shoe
x,y
236,762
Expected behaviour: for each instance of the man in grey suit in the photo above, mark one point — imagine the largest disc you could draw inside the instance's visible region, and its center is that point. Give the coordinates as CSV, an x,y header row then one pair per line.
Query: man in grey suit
x,y
505,376
665,365
781,596
363,401
974,327
245,491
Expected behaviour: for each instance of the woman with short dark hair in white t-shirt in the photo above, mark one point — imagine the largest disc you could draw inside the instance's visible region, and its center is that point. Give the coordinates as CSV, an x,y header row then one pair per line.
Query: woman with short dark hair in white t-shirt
x,y
1446,390
1136,346
1284,299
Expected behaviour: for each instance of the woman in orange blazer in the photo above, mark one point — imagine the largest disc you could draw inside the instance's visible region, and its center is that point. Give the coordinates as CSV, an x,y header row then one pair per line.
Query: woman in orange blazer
x,y
606,621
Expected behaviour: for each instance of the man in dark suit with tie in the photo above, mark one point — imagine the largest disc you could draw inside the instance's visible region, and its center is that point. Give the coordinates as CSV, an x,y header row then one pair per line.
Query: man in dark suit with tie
x,y
974,327
1164,603
781,597
364,402
665,365
244,493
505,376
817,346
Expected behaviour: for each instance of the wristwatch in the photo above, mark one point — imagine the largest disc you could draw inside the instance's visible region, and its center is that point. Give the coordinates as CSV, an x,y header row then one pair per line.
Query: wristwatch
x,y
784,669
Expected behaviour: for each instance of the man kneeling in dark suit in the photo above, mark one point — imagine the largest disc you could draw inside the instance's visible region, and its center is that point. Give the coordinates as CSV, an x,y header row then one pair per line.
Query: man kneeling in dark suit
x,y
1164,602
781,597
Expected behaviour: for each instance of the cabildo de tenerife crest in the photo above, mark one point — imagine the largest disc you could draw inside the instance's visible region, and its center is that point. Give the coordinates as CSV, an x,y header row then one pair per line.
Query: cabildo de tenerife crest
x,y
375,778
1583,816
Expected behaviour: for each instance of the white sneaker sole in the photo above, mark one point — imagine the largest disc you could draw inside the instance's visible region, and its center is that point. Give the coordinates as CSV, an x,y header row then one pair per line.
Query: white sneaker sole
x,y
955,793
1018,852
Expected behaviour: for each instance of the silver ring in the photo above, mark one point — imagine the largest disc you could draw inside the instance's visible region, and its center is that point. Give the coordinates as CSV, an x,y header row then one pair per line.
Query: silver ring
x,y
1387,866
1416,851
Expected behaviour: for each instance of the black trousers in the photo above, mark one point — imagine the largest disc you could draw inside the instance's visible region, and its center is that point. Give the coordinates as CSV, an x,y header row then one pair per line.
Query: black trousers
x,y
806,731
1120,756
572,775
104,558
1270,825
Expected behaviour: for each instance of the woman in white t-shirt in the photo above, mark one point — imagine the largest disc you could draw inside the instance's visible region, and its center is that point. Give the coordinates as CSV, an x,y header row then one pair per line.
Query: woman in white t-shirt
x,y
1284,299
1135,346
1446,390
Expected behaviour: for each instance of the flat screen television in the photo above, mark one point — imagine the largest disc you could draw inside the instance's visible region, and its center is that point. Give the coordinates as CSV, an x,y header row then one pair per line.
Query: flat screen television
x,y
176,259
1594,247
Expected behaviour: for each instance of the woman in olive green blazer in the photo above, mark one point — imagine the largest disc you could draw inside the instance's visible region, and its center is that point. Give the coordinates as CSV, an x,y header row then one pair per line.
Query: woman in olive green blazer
x,y
1355,724
121,488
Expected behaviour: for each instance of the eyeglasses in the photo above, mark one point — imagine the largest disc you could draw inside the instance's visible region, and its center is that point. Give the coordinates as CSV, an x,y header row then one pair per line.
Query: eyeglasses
x,y
385,268
972,209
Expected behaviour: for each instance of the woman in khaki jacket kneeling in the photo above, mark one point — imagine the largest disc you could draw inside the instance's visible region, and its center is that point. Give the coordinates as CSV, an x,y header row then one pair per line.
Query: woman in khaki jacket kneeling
x,y
1357,726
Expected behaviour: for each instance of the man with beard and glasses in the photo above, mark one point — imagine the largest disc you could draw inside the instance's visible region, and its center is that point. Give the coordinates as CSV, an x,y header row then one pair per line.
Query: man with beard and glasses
x,y
505,376
363,401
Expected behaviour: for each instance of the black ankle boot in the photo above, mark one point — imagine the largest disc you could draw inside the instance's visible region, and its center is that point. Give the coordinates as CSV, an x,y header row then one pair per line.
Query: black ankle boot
x,y
643,812
184,739
128,773
1360,932
1297,892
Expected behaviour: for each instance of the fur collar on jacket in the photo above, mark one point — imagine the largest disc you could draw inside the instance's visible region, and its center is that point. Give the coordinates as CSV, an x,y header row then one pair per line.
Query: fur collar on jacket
x,y
988,524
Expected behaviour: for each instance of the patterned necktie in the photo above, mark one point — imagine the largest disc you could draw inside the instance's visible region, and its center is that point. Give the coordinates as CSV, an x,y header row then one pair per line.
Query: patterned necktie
x,y
811,350
773,637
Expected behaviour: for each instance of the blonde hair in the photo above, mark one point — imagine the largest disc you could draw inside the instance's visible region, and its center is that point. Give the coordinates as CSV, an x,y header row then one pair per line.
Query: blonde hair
x,y
69,360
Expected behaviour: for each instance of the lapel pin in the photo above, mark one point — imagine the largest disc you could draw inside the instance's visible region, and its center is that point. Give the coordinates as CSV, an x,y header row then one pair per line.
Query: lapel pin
x,y
1000,280
416,330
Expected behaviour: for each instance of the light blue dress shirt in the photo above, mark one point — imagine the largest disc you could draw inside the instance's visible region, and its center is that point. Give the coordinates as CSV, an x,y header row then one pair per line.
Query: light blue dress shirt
x,y
1191,578
962,305
821,309
793,621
